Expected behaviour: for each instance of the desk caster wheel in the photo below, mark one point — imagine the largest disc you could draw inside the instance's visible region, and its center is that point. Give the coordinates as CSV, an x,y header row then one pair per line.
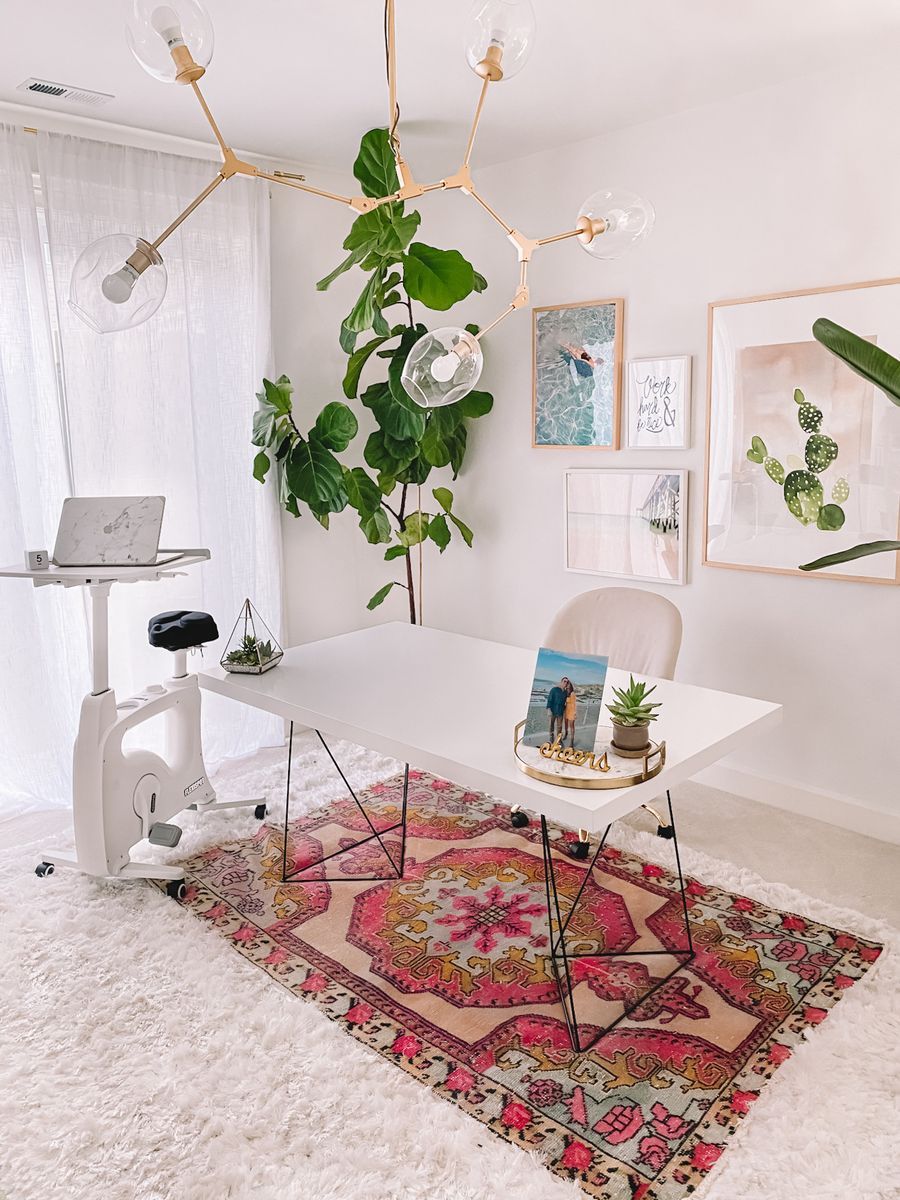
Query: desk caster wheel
x,y
665,831
260,811
43,869
579,849
176,889
518,818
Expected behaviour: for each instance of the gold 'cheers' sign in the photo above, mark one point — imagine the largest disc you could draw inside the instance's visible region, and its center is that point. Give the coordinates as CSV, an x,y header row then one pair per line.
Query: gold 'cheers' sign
x,y
576,758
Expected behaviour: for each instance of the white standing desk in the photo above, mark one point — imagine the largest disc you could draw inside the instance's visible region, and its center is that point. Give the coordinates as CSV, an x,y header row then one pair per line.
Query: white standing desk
x,y
448,704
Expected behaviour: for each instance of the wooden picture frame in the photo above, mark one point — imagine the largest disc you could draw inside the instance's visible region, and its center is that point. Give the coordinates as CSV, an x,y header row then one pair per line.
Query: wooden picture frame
x,y
658,401
759,349
566,350
605,514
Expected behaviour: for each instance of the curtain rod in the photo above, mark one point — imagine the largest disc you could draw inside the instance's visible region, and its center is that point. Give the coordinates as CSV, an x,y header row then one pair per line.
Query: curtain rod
x,y
96,126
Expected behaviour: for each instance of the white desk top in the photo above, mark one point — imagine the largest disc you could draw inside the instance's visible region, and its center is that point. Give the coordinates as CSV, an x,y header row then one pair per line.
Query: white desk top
x,y
448,704
75,576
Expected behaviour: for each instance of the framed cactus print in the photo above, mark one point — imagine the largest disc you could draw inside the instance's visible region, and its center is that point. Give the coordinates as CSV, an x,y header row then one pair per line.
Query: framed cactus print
x,y
803,455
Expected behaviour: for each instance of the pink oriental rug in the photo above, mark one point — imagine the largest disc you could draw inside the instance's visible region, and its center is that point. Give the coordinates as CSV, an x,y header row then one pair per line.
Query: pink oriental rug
x,y
446,973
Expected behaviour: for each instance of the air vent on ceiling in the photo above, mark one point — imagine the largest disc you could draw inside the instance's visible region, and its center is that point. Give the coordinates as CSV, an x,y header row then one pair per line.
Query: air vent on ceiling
x,y
62,91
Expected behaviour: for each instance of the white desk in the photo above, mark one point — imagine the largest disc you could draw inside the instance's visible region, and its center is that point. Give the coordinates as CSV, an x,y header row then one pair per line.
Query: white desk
x,y
448,704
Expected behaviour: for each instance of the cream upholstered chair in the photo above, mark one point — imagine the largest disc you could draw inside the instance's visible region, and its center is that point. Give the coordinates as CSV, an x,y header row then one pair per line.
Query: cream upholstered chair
x,y
639,631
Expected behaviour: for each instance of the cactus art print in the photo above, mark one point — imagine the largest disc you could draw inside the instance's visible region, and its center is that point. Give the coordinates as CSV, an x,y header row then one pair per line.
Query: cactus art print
x,y
803,442
803,489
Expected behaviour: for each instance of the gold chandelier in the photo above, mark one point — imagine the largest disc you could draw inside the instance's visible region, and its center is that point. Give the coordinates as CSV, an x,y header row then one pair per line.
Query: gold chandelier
x,y
120,280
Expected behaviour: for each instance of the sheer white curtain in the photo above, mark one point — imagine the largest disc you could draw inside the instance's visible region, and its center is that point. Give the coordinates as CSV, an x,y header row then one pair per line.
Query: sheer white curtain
x,y
165,408
43,632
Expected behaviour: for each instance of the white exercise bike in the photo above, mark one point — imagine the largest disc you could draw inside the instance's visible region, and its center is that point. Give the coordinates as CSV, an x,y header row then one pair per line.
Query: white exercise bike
x,y
119,796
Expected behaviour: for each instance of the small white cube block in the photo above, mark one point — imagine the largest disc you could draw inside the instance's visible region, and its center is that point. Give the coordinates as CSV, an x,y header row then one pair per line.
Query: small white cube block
x,y
37,560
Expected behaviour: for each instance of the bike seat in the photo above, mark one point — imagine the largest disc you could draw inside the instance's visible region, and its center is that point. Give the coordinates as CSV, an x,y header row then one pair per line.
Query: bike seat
x,y
180,630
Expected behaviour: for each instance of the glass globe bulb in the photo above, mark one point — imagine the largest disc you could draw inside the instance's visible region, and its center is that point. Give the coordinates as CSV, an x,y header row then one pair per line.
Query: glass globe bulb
x,y
117,282
613,220
500,37
172,42
442,367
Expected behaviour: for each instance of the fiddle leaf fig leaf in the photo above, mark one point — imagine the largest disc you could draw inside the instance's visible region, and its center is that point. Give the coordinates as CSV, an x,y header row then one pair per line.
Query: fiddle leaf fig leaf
x,y
278,394
261,465
375,167
415,529
395,552
264,427
376,527
362,491
350,261
439,532
399,421
467,534
335,426
381,595
357,361
313,473
438,278
444,498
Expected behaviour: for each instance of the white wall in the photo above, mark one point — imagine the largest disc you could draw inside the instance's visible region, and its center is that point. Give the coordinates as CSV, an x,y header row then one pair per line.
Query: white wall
x,y
772,191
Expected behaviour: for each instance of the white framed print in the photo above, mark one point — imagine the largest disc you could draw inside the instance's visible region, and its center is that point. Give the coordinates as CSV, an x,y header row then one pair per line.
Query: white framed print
x,y
630,524
658,392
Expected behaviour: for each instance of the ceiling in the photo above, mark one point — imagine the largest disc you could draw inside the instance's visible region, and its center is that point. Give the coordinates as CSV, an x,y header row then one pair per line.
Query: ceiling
x,y
302,79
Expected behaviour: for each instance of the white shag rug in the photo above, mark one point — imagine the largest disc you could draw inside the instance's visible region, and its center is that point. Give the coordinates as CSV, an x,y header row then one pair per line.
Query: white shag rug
x,y
141,1057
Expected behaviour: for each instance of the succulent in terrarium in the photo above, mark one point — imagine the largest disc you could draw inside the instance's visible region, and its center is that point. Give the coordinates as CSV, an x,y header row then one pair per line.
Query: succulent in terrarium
x,y
251,648
631,706
250,652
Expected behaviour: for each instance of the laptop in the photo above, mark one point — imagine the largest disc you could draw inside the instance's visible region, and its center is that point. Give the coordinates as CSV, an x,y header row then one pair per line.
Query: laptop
x,y
111,531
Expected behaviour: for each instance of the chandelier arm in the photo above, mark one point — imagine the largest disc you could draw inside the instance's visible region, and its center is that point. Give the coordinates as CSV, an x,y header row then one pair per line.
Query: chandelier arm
x,y
559,237
170,229
487,208
305,187
223,145
519,300
390,46
475,120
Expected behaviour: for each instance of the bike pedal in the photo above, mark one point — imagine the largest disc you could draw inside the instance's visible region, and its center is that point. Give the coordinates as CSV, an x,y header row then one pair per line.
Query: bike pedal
x,y
165,835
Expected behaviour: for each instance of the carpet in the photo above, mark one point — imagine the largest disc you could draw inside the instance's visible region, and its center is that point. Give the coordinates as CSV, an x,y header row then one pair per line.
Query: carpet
x,y
446,974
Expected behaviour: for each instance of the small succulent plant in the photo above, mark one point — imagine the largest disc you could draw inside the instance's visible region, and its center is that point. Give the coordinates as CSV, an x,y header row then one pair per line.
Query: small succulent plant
x,y
250,653
631,706
804,493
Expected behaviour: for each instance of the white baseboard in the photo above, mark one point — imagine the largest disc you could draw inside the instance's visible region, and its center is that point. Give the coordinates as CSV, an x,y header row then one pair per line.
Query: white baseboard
x,y
808,802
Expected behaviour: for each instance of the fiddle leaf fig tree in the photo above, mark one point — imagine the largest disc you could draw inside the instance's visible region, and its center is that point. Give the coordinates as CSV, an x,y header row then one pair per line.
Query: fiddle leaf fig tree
x,y
408,442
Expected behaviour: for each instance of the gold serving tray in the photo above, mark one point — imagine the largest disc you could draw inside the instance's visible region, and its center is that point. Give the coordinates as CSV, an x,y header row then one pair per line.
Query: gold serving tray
x,y
615,770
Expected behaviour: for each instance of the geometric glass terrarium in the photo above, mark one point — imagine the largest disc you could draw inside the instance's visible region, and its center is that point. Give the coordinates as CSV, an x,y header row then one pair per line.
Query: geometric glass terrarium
x,y
251,648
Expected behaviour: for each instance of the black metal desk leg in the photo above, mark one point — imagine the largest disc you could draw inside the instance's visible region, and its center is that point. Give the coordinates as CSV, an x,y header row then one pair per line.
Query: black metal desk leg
x,y
561,957
397,865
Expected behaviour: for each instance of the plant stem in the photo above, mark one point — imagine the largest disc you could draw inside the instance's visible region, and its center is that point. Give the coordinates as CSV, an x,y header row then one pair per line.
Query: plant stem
x,y
409,575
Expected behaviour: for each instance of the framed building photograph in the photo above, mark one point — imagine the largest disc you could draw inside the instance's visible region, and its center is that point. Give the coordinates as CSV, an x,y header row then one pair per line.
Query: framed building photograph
x,y
803,455
631,524
658,403
577,379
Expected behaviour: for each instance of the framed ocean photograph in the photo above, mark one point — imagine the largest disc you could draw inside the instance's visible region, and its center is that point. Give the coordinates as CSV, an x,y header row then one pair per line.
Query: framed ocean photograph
x,y
577,381
631,524
566,699
658,403
803,455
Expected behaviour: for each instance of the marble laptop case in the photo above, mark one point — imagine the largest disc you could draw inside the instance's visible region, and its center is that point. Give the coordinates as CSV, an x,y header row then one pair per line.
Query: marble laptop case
x,y
109,531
